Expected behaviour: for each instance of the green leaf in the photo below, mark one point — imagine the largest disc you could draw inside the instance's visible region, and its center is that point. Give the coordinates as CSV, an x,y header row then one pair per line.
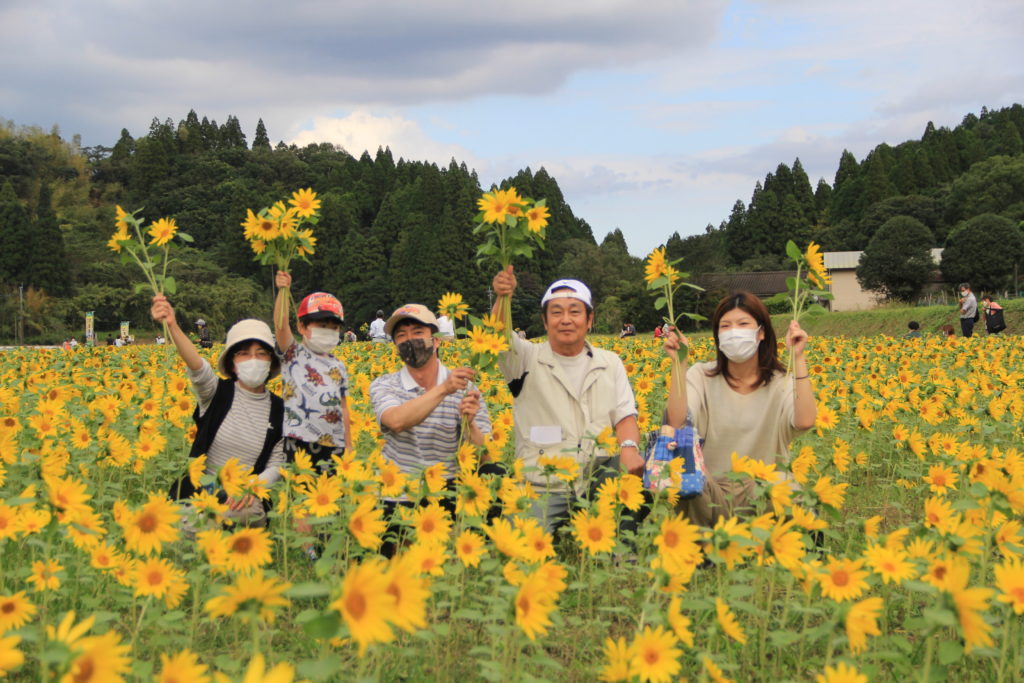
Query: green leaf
x,y
660,303
950,651
324,626
310,589
185,237
791,283
170,286
939,616
139,286
320,669
793,251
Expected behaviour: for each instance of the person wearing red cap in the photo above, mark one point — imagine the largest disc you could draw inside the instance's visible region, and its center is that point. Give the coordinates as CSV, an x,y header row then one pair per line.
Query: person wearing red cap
x,y
316,415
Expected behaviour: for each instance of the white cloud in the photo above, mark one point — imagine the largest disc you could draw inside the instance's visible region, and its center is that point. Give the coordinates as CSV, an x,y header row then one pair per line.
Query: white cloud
x,y
363,131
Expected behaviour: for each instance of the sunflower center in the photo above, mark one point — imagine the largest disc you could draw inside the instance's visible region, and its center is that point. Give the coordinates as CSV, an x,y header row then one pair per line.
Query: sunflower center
x,y
394,590
356,605
939,573
671,539
595,533
651,656
7,607
85,670
147,523
155,578
428,526
840,577
242,545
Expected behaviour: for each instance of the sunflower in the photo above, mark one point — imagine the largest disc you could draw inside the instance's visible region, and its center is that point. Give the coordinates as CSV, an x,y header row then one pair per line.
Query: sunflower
x,y
152,525
285,218
15,611
252,593
595,533
10,656
451,304
496,204
829,493
679,622
941,479
816,272
1009,580
162,231
260,227
786,545
843,579
410,592
322,500
248,549
367,523
889,563
305,202
102,658
67,495
714,671
183,667
656,265
534,603
508,540
841,673
469,548
537,218
257,672
861,622
727,620
618,655
154,576
474,497
678,539
432,524
365,604
655,655
44,575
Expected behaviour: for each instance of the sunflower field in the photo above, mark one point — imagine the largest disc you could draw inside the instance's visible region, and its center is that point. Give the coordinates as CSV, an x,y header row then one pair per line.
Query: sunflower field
x,y
897,558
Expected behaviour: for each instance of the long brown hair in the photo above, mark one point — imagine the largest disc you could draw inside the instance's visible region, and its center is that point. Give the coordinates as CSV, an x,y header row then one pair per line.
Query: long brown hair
x,y
767,350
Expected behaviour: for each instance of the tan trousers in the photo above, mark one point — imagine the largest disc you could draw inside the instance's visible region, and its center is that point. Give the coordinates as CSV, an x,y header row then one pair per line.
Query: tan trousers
x,y
722,497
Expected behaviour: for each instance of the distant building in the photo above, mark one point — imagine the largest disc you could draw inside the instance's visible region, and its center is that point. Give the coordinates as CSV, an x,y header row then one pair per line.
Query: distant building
x,y
762,285
847,294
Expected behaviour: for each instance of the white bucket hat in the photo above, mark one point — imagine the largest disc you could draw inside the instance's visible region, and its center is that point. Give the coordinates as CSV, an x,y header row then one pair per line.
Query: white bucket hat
x,y
245,331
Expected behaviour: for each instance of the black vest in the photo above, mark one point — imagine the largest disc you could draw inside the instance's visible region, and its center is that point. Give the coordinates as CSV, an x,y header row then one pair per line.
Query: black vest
x,y
209,422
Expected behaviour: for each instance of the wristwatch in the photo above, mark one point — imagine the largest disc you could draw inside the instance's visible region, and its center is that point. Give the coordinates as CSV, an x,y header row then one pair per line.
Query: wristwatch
x,y
629,443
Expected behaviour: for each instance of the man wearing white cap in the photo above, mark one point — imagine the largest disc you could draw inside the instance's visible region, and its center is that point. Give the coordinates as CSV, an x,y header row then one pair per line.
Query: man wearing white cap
x,y
420,407
566,392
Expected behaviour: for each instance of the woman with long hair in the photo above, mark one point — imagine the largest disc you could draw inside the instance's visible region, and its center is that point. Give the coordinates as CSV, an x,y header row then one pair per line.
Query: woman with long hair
x,y
742,402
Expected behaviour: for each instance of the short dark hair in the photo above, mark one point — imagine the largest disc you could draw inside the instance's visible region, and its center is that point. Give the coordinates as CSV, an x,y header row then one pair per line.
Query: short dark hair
x,y
767,351
914,325
964,285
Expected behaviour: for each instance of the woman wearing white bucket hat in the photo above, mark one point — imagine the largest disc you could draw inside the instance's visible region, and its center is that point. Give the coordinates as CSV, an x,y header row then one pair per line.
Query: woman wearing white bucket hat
x,y
235,417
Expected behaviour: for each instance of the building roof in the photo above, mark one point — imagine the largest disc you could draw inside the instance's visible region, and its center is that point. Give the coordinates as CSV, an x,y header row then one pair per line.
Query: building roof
x,y
839,260
762,284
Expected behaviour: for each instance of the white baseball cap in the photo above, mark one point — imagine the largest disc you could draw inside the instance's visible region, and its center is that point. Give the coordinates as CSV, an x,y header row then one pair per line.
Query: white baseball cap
x,y
568,289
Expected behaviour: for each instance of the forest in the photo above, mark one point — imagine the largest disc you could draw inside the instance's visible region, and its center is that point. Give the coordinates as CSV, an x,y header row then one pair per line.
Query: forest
x,y
393,231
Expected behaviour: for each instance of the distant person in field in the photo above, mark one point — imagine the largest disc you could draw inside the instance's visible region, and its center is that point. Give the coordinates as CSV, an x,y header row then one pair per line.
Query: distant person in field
x,y
203,333
968,310
913,330
377,333
565,393
947,331
994,320
742,402
235,417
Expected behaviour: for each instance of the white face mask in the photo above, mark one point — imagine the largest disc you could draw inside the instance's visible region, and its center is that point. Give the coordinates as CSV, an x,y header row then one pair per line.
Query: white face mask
x,y
322,339
738,345
253,372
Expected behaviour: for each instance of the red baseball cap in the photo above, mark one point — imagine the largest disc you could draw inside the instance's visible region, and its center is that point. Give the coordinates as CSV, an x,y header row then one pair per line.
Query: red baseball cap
x,y
321,306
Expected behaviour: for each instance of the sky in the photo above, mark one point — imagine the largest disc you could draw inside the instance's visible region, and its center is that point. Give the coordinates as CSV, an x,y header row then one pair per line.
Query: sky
x,y
654,116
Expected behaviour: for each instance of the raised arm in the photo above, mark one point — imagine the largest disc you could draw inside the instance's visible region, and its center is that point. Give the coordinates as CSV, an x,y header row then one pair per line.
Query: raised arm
x,y
805,408
504,283
163,312
282,326
414,411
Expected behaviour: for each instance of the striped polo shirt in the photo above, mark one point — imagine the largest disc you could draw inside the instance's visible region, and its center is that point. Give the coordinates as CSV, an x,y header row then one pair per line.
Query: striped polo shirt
x,y
432,441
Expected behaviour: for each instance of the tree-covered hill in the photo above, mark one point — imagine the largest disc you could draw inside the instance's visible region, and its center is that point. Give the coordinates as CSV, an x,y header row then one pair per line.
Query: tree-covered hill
x,y
394,231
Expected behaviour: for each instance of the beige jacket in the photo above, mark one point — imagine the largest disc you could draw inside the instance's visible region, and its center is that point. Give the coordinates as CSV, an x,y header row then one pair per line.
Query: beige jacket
x,y
551,419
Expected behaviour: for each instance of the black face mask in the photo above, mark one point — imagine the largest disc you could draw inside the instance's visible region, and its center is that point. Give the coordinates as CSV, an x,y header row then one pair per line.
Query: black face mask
x,y
415,353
